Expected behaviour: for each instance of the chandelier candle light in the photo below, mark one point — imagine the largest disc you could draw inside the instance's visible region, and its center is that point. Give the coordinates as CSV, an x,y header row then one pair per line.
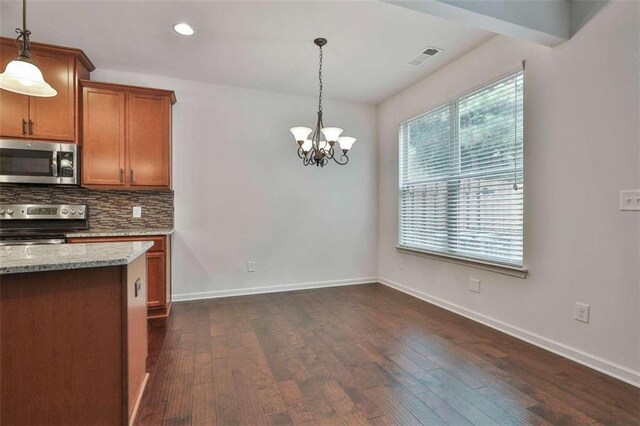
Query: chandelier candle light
x,y
315,151
22,75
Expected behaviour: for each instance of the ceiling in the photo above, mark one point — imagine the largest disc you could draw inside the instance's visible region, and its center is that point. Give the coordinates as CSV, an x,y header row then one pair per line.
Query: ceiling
x,y
257,44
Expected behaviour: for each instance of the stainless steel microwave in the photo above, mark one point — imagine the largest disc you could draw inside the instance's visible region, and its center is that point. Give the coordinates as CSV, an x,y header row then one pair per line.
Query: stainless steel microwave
x,y
25,161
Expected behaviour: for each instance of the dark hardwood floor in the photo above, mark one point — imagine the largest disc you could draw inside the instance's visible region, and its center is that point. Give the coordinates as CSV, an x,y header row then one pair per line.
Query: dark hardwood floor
x,y
357,355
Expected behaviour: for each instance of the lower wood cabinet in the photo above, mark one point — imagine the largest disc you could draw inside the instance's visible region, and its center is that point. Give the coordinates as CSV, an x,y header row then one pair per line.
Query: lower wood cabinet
x,y
158,270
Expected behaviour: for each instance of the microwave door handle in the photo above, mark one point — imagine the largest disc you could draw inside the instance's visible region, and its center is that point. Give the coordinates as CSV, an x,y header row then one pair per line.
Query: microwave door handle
x,y
54,163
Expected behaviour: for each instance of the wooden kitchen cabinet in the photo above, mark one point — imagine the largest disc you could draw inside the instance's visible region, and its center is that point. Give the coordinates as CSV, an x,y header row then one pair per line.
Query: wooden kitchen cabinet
x,y
158,270
103,147
55,118
149,134
126,136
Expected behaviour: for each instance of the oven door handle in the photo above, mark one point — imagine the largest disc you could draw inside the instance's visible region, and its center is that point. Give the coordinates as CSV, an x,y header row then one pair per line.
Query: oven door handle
x,y
54,163
32,242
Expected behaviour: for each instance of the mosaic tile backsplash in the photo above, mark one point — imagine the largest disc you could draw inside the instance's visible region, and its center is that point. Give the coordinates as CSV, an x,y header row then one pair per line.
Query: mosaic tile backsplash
x,y
107,209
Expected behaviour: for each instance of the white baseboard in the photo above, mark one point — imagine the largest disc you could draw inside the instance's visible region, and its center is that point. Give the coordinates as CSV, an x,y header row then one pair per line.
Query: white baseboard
x,y
269,289
592,361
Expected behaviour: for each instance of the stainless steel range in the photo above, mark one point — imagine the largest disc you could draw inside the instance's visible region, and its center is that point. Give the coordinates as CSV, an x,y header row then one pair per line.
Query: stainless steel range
x,y
22,224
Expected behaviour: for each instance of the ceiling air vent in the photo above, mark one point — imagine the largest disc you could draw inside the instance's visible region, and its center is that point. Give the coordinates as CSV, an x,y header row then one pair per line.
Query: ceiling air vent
x,y
427,53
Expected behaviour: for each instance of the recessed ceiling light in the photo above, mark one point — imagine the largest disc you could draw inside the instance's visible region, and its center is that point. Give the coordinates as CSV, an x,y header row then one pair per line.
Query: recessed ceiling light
x,y
183,28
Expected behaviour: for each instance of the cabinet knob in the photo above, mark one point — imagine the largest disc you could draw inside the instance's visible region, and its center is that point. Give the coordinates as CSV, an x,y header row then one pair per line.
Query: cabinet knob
x,y
24,126
133,176
121,175
31,127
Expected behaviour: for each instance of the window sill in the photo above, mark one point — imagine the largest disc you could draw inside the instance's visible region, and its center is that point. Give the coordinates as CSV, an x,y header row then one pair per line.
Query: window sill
x,y
492,267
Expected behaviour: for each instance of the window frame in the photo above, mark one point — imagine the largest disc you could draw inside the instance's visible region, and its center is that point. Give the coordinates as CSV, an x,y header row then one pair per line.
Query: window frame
x,y
468,261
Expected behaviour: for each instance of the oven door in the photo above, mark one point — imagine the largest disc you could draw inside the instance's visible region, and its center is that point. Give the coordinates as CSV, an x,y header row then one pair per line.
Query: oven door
x,y
38,162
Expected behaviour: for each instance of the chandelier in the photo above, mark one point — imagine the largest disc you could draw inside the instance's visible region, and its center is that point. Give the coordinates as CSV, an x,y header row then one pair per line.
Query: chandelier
x,y
316,151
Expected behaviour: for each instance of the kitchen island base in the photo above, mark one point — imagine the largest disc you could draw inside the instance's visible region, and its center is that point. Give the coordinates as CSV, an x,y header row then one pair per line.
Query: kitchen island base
x,y
73,345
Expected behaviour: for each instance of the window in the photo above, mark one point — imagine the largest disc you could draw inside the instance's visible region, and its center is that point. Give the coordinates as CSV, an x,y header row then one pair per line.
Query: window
x,y
461,177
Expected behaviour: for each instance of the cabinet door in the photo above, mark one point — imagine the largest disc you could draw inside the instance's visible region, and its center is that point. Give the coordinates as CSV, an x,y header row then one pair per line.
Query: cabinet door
x,y
103,137
149,140
14,108
156,286
53,118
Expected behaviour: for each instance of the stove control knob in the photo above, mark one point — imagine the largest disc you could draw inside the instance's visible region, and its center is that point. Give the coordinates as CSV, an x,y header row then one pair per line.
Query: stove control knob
x,y
64,211
1,211
80,211
73,211
9,212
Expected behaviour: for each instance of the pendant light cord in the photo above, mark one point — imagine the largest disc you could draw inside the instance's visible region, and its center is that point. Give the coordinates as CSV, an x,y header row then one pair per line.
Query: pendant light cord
x,y
23,33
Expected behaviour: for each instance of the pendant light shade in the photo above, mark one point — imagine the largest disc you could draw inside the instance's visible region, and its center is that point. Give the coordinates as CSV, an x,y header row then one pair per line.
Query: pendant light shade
x,y
22,75
300,133
331,133
346,142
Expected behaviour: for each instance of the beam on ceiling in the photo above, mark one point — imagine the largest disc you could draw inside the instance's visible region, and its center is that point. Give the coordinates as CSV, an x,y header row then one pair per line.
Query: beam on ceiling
x,y
545,22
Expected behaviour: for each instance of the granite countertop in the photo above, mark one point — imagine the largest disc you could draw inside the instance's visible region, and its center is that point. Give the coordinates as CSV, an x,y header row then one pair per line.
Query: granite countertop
x,y
52,257
120,232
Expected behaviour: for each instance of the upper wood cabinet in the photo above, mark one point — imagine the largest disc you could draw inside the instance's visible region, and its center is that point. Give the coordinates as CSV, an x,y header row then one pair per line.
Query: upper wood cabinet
x,y
126,136
55,118
103,137
149,134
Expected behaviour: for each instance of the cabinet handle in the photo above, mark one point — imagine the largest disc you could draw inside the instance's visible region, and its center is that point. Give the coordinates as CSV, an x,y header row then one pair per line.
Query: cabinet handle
x,y
121,175
138,287
133,176
24,126
30,127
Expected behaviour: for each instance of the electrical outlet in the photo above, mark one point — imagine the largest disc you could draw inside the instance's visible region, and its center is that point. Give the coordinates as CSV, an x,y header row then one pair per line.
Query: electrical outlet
x,y
581,312
474,285
401,264
251,266
137,211
630,200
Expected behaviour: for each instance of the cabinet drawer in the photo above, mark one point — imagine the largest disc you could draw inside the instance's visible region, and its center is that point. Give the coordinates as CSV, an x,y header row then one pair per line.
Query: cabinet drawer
x,y
159,244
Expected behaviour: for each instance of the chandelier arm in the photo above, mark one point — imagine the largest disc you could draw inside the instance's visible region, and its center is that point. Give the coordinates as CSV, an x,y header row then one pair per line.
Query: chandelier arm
x,y
330,153
341,161
301,153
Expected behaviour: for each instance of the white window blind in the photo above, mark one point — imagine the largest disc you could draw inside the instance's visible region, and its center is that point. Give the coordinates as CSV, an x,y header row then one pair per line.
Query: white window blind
x,y
461,177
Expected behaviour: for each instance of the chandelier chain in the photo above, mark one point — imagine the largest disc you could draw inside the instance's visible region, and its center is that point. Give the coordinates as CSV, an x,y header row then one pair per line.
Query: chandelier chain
x,y
320,81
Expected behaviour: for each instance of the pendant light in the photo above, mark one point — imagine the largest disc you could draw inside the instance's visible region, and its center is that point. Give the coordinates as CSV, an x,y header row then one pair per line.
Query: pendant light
x,y
22,75
315,151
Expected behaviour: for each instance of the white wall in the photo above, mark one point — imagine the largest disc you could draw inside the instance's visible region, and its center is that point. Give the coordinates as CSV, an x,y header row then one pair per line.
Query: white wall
x,y
582,146
241,193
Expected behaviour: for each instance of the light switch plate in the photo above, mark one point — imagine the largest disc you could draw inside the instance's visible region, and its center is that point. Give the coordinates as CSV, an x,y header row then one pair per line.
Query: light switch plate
x,y
630,200
251,266
137,211
474,285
